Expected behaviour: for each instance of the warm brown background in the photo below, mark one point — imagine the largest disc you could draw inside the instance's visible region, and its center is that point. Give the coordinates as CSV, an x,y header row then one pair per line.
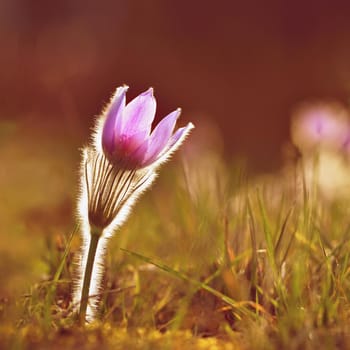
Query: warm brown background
x,y
242,64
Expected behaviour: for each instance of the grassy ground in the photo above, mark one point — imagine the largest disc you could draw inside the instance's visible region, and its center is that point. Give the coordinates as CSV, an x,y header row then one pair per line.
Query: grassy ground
x,y
209,259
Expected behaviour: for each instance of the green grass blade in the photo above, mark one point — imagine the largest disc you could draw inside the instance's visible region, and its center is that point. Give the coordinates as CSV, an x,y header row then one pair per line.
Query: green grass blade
x,y
64,256
238,306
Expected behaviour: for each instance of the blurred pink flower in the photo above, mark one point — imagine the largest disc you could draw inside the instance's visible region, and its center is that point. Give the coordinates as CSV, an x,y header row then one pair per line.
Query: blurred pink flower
x,y
320,125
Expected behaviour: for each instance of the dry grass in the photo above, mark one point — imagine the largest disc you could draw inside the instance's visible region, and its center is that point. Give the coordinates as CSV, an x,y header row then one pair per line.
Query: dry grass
x,y
209,259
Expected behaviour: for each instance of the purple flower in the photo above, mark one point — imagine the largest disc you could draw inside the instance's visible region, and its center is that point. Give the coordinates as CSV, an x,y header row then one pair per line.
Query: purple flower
x,y
117,167
126,135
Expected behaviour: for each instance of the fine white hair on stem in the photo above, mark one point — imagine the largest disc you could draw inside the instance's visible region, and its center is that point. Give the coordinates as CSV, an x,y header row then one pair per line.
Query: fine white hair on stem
x,y
110,188
97,192
125,210
96,278
83,204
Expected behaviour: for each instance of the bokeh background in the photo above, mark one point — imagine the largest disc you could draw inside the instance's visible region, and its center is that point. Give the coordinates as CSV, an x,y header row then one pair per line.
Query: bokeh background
x,y
242,64
236,67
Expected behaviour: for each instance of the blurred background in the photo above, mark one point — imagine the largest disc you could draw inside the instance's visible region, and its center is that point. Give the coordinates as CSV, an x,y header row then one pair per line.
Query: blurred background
x,y
237,67
243,65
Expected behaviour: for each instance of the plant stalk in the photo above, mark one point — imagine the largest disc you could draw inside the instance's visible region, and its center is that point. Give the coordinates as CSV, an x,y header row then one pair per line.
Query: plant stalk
x,y
95,236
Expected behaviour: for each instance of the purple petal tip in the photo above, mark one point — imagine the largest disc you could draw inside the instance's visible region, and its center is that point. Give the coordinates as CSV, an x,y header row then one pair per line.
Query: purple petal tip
x,y
122,89
148,92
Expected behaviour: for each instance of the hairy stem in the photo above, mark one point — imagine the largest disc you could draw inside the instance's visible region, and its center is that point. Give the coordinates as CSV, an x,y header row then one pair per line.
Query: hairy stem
x,y
94,239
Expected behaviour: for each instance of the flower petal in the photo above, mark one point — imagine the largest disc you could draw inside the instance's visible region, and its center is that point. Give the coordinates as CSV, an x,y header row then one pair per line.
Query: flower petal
x,y
175,142
138,114
113,119
137,157
125,145
161,135
179,137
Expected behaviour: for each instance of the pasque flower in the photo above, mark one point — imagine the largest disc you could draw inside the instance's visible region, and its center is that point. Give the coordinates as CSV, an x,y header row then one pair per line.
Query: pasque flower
x,y
126,136
117,167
